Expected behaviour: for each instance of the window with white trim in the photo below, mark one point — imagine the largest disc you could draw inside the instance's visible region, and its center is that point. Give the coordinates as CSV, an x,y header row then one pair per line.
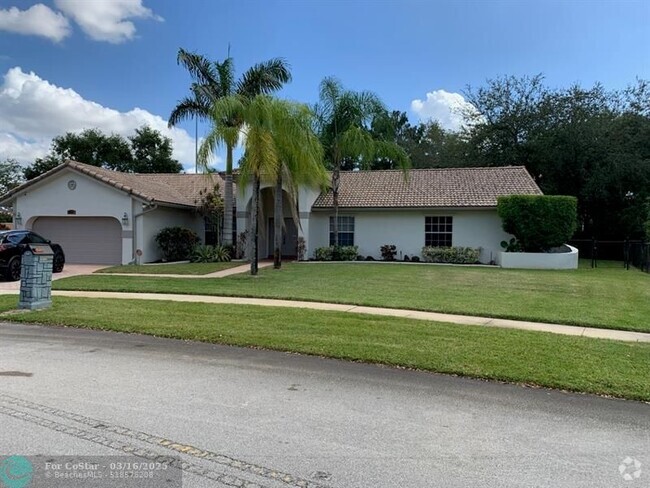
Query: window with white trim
x,y
346,230
438,231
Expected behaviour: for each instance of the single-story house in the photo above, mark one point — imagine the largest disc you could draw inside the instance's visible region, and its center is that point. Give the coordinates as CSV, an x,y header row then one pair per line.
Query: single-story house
x,y
102,216
437,207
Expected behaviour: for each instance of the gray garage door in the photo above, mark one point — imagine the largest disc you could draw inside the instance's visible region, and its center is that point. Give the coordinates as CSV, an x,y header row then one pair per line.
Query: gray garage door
x,y
85,240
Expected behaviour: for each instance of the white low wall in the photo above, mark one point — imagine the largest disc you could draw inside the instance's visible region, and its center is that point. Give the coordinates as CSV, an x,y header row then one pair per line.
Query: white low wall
x,y
541,260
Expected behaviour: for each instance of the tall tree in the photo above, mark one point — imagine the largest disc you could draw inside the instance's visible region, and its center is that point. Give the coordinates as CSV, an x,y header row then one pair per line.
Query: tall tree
x,y
301,163
427,144
148,151
11,175
40,166
344,120
587,142
152,152
212,81
93,147
277,140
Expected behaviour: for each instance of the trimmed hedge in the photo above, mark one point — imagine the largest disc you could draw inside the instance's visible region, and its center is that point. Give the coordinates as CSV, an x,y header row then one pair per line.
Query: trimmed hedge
x,y
538,222
176,243
336,253
452,255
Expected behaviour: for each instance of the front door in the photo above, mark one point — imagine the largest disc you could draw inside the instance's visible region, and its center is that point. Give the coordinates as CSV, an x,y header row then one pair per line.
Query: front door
x,y
289,238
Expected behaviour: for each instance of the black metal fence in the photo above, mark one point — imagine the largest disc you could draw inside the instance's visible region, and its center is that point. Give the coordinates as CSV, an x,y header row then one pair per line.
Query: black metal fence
x,y
630,252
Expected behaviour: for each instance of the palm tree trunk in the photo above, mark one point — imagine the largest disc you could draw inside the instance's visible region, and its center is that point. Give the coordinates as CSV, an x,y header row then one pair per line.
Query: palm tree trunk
x,y
228,201
336,175
255,204
278,220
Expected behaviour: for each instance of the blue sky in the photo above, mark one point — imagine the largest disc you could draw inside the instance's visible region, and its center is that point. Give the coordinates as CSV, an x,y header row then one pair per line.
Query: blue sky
x,y
112,63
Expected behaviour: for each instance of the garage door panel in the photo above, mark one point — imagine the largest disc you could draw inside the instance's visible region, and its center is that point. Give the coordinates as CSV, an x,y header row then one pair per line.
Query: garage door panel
x,y
85,240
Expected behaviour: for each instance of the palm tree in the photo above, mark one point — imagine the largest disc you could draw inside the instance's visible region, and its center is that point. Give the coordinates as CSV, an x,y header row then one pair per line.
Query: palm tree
x,y
343,123
213,81
279,143
301,164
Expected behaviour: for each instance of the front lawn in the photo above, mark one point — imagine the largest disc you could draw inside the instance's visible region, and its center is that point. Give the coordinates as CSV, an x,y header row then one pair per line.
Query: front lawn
x,y
550,360
602,297
181,269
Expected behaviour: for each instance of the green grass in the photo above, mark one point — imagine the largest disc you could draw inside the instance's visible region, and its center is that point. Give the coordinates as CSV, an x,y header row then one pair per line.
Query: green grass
x,y
603,297
550,360
183,269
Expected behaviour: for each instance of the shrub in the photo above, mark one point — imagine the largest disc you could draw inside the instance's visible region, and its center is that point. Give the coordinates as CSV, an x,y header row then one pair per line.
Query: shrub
x,y
415,259
176,243
454,255
323,253
232,252
388,252
336,253
538,222
210,254
348,253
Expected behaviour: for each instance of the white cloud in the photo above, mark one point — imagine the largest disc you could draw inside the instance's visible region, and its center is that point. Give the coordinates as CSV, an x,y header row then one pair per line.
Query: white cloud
x,y
444,107
106,20
38,20
34,111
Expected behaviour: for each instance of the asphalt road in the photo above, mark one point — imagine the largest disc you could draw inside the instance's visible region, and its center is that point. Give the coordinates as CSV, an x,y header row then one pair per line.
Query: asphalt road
x,y
243,417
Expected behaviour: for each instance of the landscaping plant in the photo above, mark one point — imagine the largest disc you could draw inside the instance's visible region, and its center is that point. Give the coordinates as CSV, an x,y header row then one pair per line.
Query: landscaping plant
x,y
452,255
176,243
538,222
388,252
210,254
336,253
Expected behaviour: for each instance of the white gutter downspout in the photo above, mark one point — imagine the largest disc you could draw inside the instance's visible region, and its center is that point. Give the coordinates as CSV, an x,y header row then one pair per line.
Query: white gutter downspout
x,y
151,208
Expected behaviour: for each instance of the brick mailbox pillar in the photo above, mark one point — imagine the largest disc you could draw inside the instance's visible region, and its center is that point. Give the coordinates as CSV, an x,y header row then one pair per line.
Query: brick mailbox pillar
x,y
36,277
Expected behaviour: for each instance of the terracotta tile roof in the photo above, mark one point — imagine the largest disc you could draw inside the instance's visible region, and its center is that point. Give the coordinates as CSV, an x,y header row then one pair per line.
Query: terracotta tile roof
x,y
162,188
445,187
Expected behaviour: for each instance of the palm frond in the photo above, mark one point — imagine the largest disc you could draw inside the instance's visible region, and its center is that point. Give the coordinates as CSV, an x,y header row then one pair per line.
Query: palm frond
x,y
356,142
199,67
394,152
264,78
188,108
226,71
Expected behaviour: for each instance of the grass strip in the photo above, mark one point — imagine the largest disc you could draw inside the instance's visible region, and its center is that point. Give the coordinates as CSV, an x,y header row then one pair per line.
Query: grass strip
x,y
549,360
605,297
181,269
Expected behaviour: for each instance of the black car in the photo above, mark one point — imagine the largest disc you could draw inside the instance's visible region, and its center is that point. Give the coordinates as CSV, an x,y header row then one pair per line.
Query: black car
x,y
12,246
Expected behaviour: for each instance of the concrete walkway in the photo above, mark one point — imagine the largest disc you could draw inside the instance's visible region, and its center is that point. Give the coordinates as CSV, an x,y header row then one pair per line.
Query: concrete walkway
x,y
618,335
244,268
68,270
